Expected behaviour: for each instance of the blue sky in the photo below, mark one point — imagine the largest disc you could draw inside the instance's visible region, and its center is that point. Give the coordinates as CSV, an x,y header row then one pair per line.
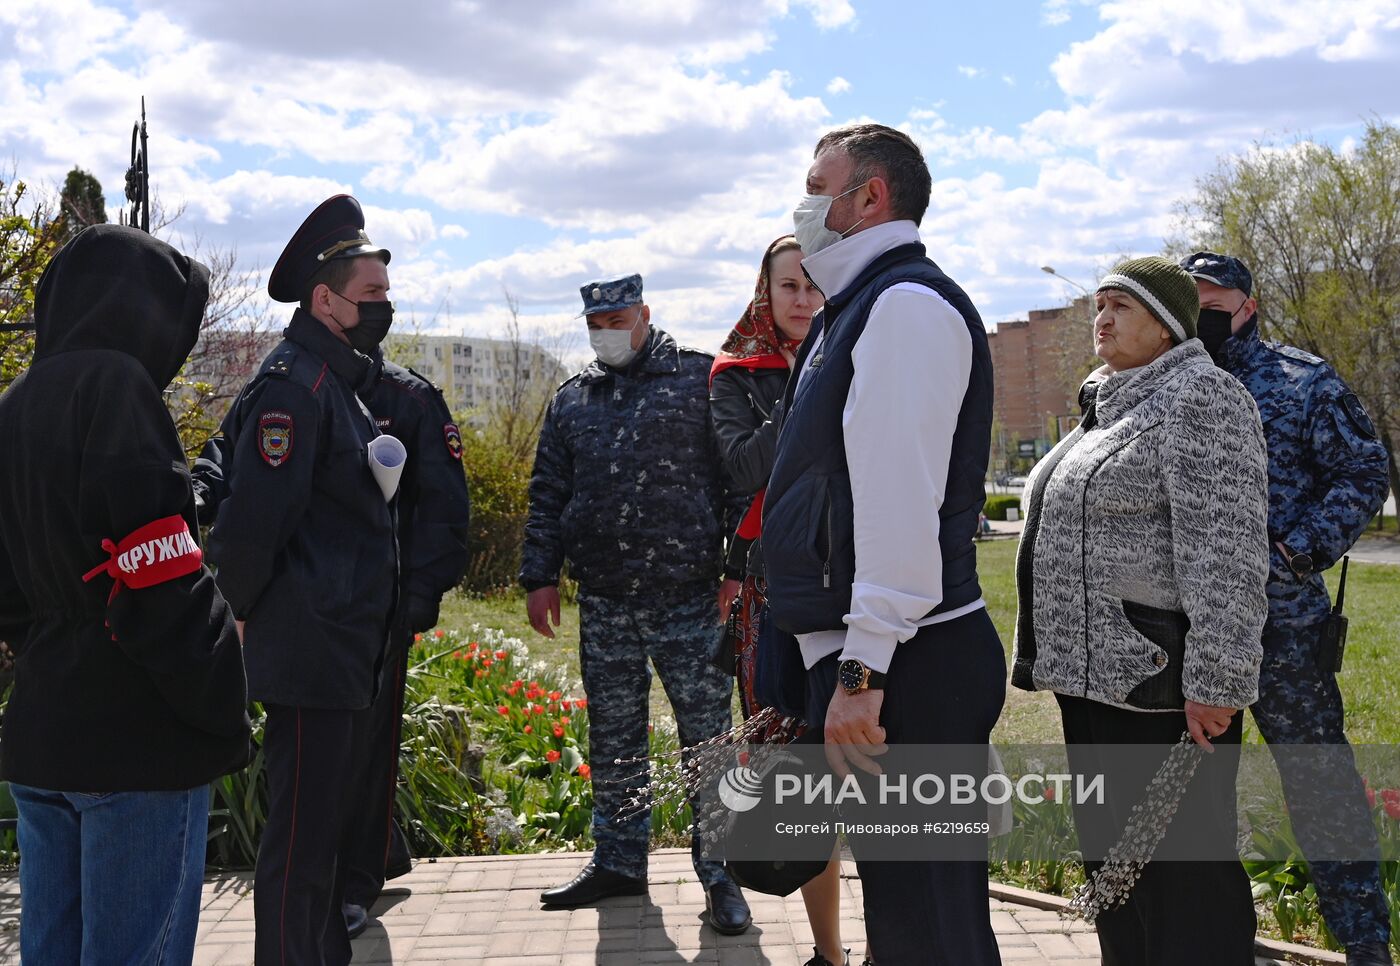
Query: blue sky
x,y
533,147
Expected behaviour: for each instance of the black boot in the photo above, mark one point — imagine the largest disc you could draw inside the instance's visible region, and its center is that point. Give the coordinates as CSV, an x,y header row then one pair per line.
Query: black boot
x,y
729,913
592,884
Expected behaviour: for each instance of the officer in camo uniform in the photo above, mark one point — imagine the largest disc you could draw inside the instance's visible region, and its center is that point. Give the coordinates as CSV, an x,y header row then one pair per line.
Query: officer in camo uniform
x,y
1327,479
627,487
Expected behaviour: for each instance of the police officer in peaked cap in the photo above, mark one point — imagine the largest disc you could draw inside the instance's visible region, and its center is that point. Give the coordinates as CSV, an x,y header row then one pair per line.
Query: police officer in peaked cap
x,y
1327,479
307,558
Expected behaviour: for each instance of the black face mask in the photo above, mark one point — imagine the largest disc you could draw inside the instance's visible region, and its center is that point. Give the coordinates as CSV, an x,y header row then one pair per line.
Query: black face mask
x,y
1214,327
375,320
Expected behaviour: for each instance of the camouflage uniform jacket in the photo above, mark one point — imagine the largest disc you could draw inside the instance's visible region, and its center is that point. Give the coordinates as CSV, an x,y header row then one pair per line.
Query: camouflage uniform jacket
x,y
627,481
1327,469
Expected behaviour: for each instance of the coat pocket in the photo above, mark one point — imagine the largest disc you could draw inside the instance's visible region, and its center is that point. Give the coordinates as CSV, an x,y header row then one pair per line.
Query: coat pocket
x,y
1166,629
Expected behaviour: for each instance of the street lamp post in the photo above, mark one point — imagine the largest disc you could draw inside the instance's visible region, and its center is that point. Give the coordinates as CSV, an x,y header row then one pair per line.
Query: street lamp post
x,y
1050,271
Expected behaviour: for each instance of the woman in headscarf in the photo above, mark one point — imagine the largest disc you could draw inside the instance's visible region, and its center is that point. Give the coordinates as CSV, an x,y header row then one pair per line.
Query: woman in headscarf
x,y
1140,578
747,381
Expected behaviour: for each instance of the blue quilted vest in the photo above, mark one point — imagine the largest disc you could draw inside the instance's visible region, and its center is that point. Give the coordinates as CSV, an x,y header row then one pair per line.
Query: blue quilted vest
x,y
808,520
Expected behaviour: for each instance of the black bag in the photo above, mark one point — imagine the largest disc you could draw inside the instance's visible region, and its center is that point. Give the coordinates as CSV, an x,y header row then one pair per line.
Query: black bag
x,y
776,877
726,655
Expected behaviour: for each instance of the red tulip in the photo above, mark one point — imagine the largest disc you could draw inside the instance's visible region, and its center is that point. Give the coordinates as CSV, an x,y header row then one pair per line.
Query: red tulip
x,y
501,655
1393,810
564,720
551,755
555,695
502,710
584,771
1049,793
529,729
439,633
558,732
1370,798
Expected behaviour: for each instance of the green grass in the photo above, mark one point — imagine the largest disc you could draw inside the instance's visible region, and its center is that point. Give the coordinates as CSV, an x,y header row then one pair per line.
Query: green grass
x,y
1370,683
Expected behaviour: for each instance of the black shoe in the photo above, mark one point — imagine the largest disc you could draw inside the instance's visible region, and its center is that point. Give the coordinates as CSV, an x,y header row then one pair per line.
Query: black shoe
x,y
1369,954
729,913
819,960
592,884
356,918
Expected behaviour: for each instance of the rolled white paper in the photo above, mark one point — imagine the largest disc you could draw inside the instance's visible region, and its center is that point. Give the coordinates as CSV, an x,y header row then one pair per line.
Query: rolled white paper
x,y
386,459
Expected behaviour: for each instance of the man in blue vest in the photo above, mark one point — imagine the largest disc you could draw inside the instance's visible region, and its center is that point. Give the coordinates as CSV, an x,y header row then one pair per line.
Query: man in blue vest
x,y
887,425
1327,480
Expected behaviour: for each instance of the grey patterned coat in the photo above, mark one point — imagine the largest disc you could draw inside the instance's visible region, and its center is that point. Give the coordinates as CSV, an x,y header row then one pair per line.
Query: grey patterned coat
x,y
1162,503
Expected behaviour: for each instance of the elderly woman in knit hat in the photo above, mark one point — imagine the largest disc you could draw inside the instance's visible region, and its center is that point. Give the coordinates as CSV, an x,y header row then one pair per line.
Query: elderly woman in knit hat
x,y
1140,579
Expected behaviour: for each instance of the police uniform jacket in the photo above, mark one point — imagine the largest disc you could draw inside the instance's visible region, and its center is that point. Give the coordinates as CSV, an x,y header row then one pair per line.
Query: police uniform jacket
x,y
304,541
1327,468
143,689
433,504
627,483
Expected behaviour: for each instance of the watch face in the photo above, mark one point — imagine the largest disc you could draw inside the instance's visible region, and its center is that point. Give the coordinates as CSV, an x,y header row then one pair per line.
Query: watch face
x,y
1302,564
852,675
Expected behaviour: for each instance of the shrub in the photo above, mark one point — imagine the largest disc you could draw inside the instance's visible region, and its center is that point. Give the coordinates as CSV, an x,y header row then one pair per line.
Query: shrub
x,y
500,484
998,503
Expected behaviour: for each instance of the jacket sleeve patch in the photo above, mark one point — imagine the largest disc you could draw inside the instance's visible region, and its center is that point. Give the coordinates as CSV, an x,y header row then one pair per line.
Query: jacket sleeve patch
x,y
275,437
1360,419
454,440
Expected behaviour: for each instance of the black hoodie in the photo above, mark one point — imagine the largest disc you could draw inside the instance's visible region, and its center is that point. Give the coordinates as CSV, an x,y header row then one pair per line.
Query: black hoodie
x,y
145,692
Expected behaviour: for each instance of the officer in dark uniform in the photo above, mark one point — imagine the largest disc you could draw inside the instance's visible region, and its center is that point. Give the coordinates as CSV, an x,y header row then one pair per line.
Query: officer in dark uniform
x,y
433,510
627,486
307,559
1327,480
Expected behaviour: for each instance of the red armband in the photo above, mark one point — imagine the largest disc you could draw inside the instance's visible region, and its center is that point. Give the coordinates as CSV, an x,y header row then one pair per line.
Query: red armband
x,y
161,550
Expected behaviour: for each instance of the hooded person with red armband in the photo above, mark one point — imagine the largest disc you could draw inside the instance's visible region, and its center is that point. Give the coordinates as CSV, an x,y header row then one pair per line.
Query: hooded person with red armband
x,y
129,694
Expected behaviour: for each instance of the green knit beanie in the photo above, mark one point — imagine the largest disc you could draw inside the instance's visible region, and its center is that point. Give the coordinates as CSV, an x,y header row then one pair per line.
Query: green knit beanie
x,y
1164,288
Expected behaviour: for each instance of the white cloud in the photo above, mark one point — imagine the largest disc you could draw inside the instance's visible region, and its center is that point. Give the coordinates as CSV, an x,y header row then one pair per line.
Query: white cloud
x,y
970,71
1054,12
829,14
838,85
453,231
1008,80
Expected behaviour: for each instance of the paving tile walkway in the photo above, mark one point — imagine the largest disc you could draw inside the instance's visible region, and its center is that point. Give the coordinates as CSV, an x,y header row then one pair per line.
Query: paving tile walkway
x,y
484,911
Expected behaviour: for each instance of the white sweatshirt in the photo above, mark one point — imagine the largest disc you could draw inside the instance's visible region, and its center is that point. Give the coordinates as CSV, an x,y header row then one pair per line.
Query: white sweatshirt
x,y
912,366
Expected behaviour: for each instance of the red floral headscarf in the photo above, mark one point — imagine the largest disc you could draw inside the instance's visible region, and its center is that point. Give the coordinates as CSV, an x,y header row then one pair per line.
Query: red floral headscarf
x,y
756,342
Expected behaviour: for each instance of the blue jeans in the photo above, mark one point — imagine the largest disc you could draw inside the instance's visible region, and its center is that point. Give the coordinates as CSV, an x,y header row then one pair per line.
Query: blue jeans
x,y
110,878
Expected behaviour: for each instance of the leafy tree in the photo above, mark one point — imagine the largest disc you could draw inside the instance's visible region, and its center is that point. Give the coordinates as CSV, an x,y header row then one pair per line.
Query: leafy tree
x,y
81,201
29,237
1320,229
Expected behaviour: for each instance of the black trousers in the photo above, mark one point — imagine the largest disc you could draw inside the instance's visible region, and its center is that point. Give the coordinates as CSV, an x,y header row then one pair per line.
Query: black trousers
x,y
298,887
1180,913
373,841
945,685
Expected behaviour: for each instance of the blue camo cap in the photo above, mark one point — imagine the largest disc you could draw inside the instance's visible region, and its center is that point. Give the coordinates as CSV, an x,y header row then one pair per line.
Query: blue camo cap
x,y
611,294
1227,271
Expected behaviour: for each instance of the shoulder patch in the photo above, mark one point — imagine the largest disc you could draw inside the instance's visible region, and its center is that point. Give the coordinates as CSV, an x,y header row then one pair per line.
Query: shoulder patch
x,y
1296,354
453,436
1356,412
275,437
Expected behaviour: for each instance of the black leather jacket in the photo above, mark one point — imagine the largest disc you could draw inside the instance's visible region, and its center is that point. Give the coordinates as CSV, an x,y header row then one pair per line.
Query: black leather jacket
x,y
743,405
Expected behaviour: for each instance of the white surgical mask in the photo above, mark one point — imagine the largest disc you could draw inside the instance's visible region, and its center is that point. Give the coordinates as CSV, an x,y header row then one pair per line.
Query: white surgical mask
x,y
809,219
613,347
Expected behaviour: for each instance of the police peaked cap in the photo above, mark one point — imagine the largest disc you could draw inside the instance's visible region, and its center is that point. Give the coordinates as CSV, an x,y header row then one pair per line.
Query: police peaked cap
x,y
335,230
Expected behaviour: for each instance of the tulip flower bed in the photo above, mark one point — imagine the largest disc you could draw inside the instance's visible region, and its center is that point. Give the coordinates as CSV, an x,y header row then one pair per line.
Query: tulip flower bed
x,y
494,759
532,786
